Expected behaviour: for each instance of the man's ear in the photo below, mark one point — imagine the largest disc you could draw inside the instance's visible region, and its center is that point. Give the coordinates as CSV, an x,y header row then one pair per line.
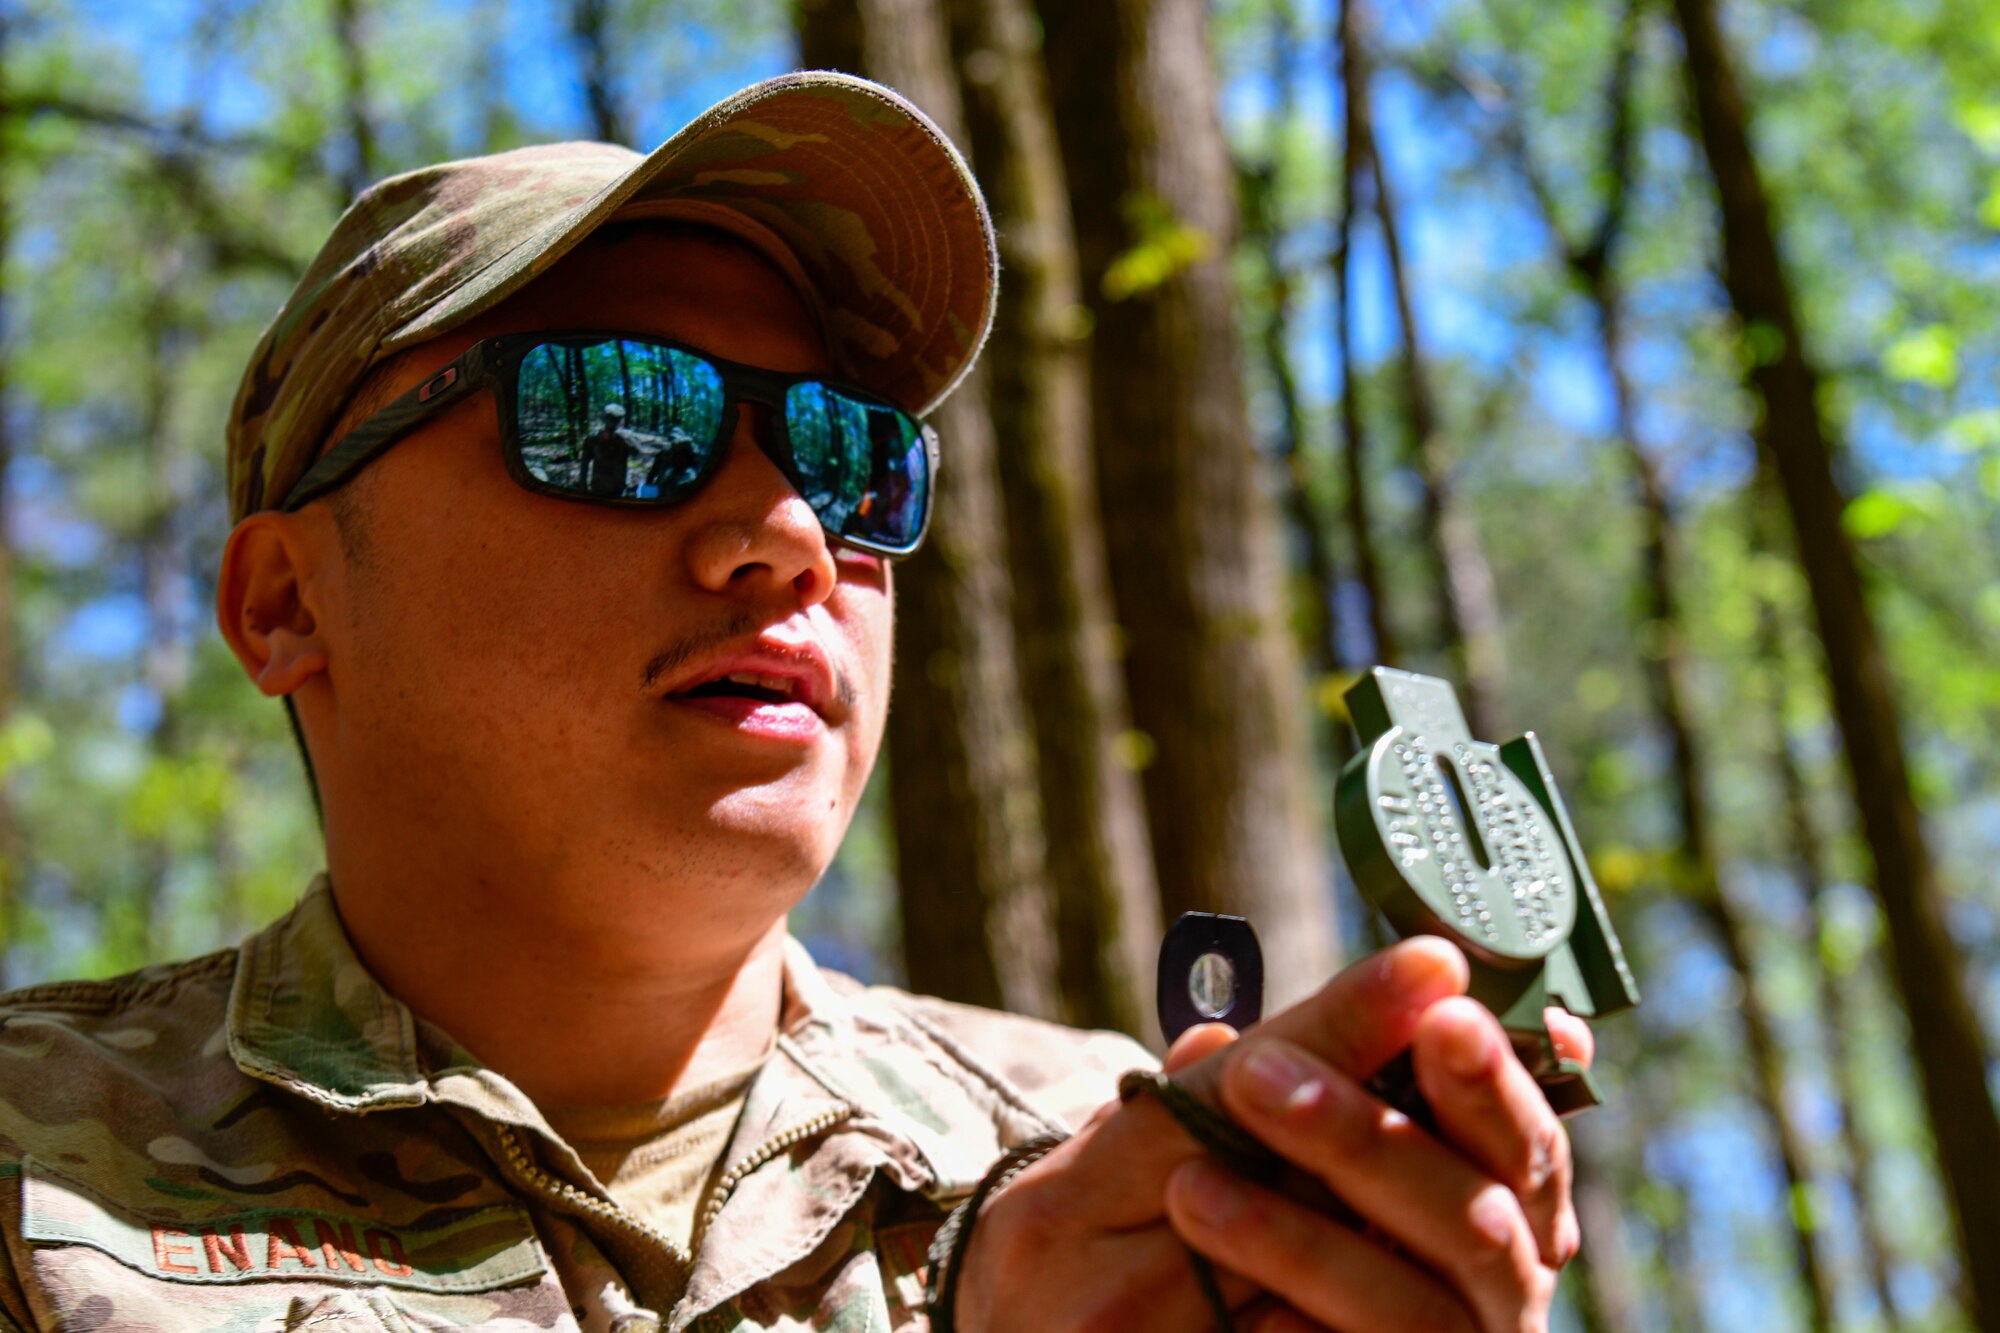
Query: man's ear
x,y
266,603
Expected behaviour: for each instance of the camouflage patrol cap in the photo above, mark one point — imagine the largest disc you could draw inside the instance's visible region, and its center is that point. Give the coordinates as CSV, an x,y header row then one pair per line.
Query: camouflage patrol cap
x,y
850,189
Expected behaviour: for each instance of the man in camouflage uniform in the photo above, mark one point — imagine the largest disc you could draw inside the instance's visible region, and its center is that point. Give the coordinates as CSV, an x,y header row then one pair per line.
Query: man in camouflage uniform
x,y
607,454
561,851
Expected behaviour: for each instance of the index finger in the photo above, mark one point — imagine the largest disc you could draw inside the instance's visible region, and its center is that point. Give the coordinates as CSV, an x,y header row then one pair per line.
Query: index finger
x,y
1356,1022
1362,1018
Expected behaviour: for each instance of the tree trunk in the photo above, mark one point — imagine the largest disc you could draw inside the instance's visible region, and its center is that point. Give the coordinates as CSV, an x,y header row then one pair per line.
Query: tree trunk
x,y
1668,666
1468,607
1263,227
1668,661
1945,1033
499,123
589,24
12,861
165,666
1604,1280
1357,139
1809,867
1100,864
829,34
1190,535
363,165
1686,1275
970,852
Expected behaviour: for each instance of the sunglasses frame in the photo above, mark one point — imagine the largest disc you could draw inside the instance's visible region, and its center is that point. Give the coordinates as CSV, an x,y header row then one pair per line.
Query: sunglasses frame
x,y
495,362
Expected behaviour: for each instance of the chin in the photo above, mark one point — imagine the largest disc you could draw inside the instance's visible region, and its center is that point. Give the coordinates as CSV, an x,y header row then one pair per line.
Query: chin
x,y
785,832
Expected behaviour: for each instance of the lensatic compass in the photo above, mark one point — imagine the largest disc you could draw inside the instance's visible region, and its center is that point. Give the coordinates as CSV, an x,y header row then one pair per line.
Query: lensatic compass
x,y
1444,835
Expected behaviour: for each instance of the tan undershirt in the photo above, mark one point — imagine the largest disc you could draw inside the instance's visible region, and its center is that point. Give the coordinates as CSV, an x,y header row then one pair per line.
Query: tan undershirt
x,y
659,1159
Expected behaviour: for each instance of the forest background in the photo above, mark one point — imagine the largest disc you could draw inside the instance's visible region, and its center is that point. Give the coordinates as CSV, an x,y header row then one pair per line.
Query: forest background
x,y
1628,362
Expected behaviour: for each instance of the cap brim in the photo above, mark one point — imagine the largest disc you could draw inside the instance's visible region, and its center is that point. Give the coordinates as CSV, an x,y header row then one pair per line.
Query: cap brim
x,y
882,215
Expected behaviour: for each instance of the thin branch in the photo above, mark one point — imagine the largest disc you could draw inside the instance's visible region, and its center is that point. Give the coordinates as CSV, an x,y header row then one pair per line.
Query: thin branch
x,y
216,220
1611,222
183,134
589,23
364,166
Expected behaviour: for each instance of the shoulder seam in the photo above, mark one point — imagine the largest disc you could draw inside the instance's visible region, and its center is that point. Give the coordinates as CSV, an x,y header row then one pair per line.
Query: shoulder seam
x,y
965,1059
113,992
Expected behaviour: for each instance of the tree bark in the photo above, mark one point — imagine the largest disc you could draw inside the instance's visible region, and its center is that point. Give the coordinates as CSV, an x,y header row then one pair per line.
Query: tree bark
x,y
363,164
970,851
589,24
1468,607
1809,868
1945,1032
1357,138
829,34
1099,862
1190,535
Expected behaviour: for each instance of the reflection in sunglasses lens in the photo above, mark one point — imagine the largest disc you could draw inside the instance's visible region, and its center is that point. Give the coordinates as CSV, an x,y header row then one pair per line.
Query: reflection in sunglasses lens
x,y
861,464
634,420
617,418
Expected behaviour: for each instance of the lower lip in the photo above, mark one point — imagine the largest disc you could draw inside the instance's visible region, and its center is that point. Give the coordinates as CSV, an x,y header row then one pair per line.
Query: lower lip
x,y
755,717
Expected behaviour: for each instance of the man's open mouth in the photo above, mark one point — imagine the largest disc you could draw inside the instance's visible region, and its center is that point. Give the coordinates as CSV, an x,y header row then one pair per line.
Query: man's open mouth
x,y
742,685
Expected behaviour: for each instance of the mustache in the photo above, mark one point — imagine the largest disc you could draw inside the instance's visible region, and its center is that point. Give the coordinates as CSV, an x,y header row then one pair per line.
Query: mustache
x,y
719,635
684,650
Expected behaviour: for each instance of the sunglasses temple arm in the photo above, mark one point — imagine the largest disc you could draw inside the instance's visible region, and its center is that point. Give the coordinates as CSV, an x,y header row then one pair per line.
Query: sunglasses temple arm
x,y
373,437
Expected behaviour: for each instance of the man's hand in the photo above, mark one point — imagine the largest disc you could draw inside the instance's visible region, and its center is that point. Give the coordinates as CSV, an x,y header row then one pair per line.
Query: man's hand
x,y
1466,1229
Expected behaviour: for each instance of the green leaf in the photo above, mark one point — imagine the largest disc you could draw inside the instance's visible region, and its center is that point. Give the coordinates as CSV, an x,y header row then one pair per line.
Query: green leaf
x,y
25,741
1134,750
1805,1207
1878,513
1972,432
1761,344
1989,207
1928,356
1981,123
1598,690
1166,246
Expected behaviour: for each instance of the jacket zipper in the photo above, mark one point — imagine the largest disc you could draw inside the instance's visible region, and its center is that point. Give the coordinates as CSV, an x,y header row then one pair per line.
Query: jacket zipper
x,y
770,1148
524,1167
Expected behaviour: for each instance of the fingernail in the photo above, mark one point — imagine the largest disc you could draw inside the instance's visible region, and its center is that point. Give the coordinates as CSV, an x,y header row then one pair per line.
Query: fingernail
x,y
1274,1081
1492,1215
1470,1055
1569,1239
1213,1195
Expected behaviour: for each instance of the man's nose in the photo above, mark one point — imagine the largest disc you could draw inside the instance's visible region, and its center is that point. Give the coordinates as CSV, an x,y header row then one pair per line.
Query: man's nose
x,y
754,532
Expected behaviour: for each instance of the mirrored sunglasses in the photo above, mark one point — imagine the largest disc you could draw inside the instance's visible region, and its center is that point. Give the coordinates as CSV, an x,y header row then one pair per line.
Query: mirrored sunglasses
x,y
625,419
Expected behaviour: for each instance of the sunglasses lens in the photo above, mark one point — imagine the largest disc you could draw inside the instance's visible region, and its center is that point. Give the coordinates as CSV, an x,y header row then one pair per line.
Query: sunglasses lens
x,y
862,464
617,419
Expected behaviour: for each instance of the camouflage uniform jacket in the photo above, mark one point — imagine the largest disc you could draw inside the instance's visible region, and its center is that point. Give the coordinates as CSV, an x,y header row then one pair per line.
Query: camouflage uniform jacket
x,y
265,1139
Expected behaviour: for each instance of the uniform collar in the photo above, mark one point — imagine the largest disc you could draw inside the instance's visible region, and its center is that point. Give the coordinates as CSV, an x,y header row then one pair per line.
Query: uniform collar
x,y
859,1084
306,1014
